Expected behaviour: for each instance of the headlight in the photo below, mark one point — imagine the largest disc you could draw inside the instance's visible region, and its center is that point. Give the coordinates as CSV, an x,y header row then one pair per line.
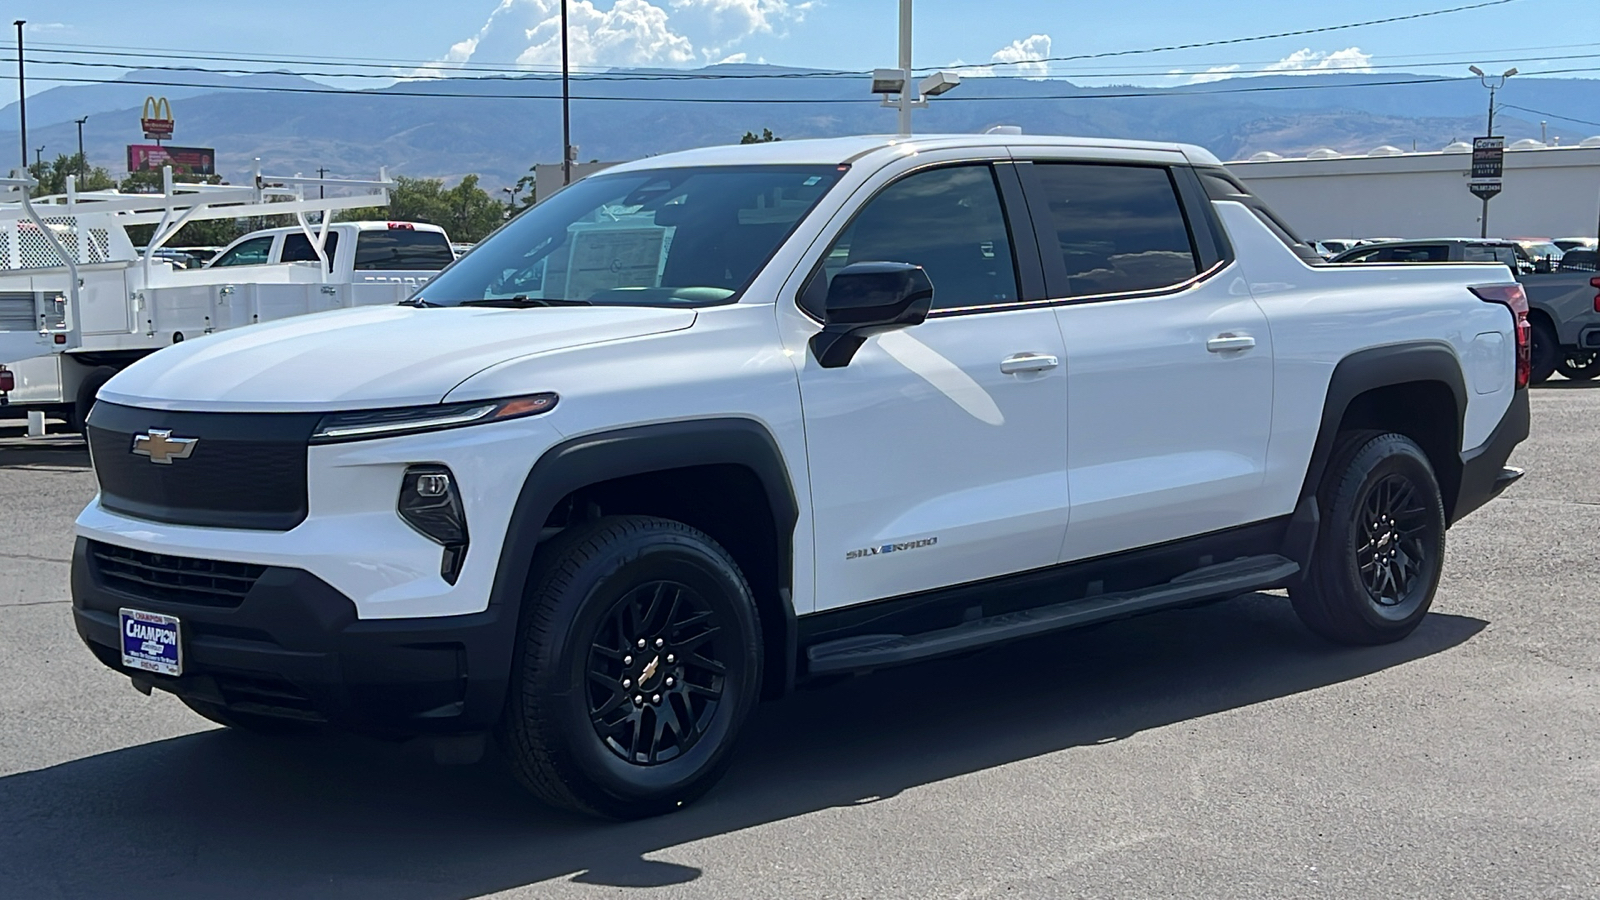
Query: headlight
x,y
376,423
430,503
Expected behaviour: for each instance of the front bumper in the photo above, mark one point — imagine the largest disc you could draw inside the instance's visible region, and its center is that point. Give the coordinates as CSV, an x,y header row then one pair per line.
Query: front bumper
x,y
293,647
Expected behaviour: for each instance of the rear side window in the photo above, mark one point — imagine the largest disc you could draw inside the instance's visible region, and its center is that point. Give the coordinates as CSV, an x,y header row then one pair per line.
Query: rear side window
x,y
253,252
1483,253
1118,228
297,248
949,221
1364,256
1423,253
402,248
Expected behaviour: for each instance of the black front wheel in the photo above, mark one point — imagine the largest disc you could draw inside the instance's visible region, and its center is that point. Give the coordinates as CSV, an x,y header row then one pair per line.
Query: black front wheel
x,y
638,660
1544,352
1380,548
1580,365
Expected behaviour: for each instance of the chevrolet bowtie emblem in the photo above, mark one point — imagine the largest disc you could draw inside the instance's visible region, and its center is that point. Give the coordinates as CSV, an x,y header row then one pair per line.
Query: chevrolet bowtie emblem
x,y
162,447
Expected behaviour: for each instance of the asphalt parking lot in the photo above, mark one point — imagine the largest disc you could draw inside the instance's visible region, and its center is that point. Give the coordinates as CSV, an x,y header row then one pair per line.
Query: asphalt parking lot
x,y
1217,752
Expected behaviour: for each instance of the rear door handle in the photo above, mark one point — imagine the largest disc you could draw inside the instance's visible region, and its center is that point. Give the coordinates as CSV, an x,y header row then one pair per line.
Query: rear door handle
x,y
1028,362
1227,340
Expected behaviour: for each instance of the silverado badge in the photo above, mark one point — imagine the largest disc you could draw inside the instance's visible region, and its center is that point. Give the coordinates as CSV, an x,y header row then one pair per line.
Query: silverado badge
x,y
162,447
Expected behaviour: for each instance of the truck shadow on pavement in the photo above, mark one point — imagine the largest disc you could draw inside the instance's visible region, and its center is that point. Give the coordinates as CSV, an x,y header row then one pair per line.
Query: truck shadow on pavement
x,y
220,814
55,451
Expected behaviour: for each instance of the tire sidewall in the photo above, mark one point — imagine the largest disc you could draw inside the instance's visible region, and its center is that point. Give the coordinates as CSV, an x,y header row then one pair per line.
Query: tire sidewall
x,y
1544,351
1383,456
601,582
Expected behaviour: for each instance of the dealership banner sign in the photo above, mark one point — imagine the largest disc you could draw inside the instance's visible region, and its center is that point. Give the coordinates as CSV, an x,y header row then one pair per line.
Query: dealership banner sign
x,y
185,160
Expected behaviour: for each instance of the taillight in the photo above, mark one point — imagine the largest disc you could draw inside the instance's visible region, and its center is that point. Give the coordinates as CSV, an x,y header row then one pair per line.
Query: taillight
x,y
1595,283
8,380
402,226
1514,298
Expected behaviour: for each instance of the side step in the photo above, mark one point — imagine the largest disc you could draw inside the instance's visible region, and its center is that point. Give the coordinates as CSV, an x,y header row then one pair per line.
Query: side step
x,y
871,651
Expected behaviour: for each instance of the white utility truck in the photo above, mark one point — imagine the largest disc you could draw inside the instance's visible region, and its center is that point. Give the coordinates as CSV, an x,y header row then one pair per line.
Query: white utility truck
x,y
78,302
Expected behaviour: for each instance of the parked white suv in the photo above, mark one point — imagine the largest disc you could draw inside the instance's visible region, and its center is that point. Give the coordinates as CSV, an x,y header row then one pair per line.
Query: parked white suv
x,y
713,423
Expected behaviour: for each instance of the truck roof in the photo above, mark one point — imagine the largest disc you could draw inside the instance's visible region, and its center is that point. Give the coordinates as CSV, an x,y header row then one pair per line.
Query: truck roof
x,y
361,226
835,151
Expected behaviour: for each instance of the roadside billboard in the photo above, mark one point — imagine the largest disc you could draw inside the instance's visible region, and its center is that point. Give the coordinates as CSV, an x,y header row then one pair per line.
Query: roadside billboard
x,y
183,160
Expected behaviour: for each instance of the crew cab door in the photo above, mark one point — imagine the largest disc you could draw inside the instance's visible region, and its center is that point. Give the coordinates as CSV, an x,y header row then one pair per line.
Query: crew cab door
x,y
937,455
1168,357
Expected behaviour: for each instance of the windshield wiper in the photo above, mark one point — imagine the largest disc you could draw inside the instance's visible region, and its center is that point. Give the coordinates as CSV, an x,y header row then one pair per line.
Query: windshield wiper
x,y
522,301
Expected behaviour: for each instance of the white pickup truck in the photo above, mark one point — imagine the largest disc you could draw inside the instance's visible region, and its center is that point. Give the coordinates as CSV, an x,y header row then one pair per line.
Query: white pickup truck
x,y
711,424
78,302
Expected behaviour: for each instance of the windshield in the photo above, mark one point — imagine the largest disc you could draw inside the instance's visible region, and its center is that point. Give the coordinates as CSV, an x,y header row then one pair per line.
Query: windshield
x,y
665,237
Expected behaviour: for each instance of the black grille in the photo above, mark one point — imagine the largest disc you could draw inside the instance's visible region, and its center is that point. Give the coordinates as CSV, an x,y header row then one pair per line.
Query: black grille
x,y
173,579
246,470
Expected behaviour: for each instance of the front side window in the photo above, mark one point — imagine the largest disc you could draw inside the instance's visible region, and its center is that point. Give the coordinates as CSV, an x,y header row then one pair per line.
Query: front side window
x,y
1118,229
253,252
949,221
664,237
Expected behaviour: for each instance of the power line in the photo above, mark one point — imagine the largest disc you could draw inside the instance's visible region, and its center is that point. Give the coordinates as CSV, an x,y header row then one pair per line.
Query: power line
x,y
1540,112
1090,94
1243,40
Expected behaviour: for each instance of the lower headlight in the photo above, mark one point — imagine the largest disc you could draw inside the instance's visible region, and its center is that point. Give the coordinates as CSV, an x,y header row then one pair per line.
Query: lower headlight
x,y
430,502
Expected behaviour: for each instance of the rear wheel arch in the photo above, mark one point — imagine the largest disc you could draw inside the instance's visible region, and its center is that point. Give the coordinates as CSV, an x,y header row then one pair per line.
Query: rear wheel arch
x,y
1415,389
725,477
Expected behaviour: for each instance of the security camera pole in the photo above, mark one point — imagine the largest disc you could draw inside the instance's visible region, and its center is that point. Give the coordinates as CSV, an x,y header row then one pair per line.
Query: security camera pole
x,y
905,68
898,81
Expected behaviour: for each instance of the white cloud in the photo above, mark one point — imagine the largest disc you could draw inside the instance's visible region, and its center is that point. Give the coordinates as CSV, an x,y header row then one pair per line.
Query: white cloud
x,y
733,59
46,27
621,32
1024,53
1300,62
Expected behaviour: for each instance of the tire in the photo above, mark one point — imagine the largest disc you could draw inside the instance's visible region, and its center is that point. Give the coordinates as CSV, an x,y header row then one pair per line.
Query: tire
x,y
595,724
1380,548
1579,365
84,401
1544,352
248,722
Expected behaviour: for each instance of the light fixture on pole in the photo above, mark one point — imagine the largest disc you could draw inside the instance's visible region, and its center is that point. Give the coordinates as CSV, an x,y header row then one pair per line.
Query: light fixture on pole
x,y
896,83
1494,83
83,161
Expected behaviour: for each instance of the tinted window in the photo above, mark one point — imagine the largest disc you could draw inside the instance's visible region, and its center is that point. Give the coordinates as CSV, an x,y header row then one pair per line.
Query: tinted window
x,y
1118,228
253,252
1423,253
1489,253
297,248
662,237
402,248
948,221
1578,260
1362,257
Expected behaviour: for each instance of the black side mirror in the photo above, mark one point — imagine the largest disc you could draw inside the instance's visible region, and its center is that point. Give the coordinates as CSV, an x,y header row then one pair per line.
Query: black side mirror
x,y
865,299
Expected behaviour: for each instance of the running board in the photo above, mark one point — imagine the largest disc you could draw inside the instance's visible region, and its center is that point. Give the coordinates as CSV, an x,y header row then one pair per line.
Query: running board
x,y
871,651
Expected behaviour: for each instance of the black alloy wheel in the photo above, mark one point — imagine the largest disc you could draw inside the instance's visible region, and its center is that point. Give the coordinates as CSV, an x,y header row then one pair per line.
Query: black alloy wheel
x,y
655,677
1379,551
1395,551
1580,365
637,661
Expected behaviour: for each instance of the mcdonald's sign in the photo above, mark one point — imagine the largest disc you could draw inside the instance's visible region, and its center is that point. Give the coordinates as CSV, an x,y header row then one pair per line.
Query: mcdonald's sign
x,y
157,119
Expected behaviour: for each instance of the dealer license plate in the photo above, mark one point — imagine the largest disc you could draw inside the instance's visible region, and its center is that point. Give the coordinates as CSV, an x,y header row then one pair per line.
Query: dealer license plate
x,y
151,642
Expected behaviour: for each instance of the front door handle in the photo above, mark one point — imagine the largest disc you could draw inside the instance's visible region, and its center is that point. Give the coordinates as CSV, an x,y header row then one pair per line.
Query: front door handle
x,y
1227,340
1028,362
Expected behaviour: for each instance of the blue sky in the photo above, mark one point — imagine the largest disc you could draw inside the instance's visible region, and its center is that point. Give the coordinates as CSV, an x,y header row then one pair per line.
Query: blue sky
x,y
841,34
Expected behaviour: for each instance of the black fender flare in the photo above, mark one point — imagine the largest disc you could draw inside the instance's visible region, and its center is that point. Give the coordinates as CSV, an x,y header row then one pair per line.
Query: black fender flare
x,y
601,456
1379,367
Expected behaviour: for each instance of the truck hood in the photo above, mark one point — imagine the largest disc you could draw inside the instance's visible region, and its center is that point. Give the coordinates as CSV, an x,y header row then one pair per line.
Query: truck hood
x,y
367,358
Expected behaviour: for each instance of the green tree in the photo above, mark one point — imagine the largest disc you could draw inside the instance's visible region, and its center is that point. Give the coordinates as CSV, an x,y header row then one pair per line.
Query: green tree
x,y
52,176
466,211
765,137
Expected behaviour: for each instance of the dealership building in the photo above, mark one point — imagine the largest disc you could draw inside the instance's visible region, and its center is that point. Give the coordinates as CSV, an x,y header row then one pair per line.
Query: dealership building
x,y
1548,191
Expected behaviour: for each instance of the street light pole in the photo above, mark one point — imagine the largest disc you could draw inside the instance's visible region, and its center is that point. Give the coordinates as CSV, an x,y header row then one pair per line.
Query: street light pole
x,y
1494,84
83,161
906,98
566,103
22,95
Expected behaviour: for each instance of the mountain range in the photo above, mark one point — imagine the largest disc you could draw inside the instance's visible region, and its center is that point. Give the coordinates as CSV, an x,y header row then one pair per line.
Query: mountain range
x,y
498,127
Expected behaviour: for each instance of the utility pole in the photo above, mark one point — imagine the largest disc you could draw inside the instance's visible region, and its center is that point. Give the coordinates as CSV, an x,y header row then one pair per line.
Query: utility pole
x,y
83,161
566,102
905,68
38,157
22,95
321,190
